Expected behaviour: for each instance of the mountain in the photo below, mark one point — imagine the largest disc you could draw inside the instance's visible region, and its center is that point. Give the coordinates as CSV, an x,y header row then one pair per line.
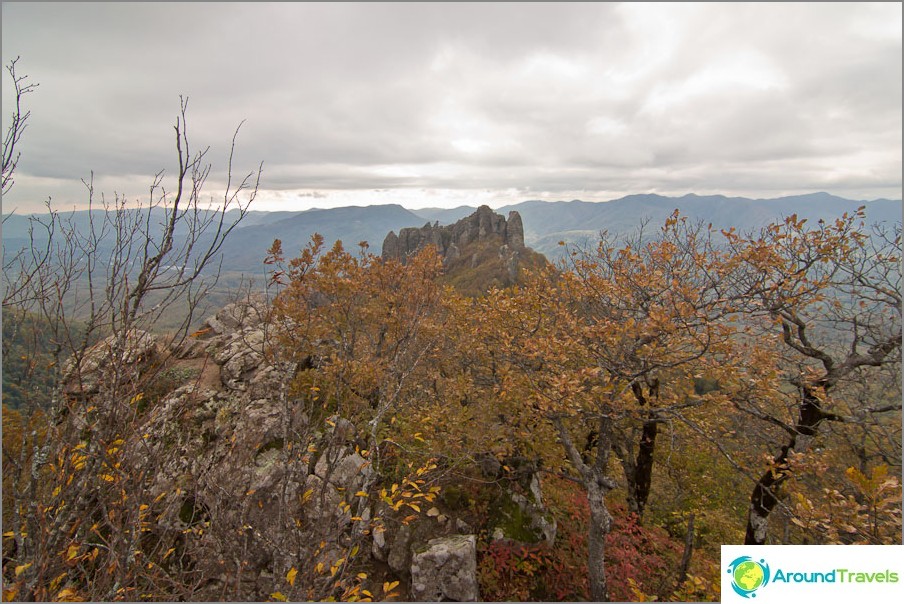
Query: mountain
x,y
246,247
444,215
545,223
580,222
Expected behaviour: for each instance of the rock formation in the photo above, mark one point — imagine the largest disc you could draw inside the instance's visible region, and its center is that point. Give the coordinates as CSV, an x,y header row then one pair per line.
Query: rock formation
x,y
450,240
479,252
237,466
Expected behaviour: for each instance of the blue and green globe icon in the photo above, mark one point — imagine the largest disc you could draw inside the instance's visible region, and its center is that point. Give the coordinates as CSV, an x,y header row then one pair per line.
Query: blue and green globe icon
x,y
748,575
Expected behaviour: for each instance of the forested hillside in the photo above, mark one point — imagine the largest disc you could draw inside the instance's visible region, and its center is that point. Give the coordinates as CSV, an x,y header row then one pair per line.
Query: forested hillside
x,y
363,431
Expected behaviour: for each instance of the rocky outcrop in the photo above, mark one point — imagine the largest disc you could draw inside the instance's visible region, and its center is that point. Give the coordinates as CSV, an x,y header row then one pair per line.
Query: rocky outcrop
x,y
247,481
130,352
446,570
451,240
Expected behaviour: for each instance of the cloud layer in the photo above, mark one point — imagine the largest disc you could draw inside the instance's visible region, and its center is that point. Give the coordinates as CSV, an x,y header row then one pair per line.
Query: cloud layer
x,y
435,103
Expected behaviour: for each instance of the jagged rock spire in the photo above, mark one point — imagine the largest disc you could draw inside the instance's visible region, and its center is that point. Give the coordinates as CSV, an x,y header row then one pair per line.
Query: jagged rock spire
x,y
479,226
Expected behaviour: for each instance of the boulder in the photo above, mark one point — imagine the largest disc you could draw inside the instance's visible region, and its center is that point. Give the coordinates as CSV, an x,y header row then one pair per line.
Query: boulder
x,y
446,569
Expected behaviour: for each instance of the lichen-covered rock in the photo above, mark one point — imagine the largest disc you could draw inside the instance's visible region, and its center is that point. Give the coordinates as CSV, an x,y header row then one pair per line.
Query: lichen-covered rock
x,y
400,550
446,569
347,471
128,352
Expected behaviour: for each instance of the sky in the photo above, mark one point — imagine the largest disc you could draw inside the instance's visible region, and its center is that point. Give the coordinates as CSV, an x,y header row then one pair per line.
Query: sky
x,y
440,105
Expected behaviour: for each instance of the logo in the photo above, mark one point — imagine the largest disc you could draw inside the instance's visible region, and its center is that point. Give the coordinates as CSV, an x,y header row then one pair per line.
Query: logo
x,y
748,575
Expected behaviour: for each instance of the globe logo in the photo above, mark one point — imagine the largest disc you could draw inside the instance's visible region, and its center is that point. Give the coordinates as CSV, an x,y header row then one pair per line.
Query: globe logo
x,y
748,575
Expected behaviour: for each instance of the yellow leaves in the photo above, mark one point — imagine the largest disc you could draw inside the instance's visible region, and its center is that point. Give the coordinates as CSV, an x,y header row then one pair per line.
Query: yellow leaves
x,y
278,596
72,552
290,576
78,461
388,587
55,583
68,595
22,568
335,566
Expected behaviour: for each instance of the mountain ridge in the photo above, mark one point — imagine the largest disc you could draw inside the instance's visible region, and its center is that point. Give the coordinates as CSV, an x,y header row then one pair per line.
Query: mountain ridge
x,y
545,222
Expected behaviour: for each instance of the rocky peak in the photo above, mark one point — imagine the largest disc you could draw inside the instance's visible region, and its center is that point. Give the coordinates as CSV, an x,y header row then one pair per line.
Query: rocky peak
x,y
483,225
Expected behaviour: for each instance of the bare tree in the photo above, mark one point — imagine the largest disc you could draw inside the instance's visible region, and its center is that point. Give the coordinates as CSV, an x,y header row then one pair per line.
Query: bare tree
x,y
18,122
100,281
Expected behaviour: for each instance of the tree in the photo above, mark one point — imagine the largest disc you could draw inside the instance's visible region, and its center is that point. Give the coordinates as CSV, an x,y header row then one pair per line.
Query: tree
x,y
832,293
611,345
365,332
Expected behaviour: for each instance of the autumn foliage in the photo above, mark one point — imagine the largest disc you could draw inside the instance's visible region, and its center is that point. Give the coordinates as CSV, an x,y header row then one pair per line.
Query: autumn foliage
x,y
668,392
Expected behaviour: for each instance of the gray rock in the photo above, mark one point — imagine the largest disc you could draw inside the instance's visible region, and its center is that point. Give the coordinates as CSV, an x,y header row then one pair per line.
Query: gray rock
x,y
451,240
344,470
446,570
400,549
379,546
324,502
514,230
133,351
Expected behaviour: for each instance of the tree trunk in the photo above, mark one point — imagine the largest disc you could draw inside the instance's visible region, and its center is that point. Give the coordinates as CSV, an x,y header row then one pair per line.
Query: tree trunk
x,y
639,473
600,525
643,467
765,494
688,552
597,484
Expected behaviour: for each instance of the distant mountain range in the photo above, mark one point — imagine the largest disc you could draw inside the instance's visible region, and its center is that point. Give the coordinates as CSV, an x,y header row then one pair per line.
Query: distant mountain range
x,y
545,223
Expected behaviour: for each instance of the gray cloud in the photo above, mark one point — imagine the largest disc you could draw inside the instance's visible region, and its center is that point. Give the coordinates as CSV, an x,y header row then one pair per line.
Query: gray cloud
x,y
593,98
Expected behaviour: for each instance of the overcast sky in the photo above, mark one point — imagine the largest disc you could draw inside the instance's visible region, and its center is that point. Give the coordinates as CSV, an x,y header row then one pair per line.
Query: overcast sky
x,y
448,104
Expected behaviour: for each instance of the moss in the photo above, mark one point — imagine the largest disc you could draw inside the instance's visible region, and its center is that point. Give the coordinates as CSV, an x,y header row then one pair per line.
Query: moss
x,y
455,498
508,516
